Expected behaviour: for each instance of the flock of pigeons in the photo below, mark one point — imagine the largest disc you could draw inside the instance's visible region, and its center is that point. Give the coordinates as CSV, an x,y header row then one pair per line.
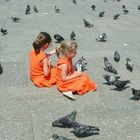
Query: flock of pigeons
x,y
79,130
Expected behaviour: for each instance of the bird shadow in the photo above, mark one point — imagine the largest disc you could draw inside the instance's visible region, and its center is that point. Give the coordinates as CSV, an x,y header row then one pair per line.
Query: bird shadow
x,y
120,89
134,98
106,83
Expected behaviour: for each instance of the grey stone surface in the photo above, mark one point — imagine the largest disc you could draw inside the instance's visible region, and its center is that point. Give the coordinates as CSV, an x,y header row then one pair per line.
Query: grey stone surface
x,y
26,112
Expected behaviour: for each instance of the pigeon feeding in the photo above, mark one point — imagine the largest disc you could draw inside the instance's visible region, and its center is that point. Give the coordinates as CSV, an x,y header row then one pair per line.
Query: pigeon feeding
x,y
81,130
110,78
125,11
35,9
66,121
72,35
120,84
56,137
102,37
28,10
108,66
1,68
15,19
80,64
57,10
116,56
74,1
87,24
129,64
3,31
101,14
116,16
136,94
93,7
58,38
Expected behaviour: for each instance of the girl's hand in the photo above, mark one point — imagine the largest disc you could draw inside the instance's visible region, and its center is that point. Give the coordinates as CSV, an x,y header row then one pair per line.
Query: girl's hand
x,y
78,73
49,62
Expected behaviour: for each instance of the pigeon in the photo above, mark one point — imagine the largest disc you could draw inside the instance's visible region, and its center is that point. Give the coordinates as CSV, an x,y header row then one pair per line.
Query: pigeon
x,y
116,16
125,11
138,7
80,65
35,9
28,10
3,31
120,84
87,24
102,37
110,78
116,56
101,14
81,130
136,94
1,68
108,66
129,64
15,19
72,35
93,7
123,6
56,137
74,1
58,38
57,10
66,121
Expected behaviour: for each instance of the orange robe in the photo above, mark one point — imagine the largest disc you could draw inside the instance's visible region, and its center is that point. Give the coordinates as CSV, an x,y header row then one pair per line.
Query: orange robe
x,y
37,73
80,85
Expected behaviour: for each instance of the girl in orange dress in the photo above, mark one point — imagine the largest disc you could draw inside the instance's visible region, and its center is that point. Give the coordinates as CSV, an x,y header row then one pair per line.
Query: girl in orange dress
x,y
42,73
68,80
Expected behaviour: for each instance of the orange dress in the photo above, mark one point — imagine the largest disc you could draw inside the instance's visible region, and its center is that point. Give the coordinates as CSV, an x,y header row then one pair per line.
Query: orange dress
x,y
80,85
37,73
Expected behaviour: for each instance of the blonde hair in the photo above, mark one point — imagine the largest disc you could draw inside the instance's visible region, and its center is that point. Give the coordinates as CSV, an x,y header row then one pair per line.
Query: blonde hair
x,y
66,46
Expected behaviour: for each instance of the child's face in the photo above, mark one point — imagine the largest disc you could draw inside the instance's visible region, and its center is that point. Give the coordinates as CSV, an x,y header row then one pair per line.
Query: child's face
x,y
71,54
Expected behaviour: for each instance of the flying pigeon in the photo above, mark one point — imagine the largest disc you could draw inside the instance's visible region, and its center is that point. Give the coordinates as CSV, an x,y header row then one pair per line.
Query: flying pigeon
x,y
116,16
81,130
3,31
110,78
56,137
116,56
35,9
58,38
66,121
129,64
15,19
87,24
72,35
28,9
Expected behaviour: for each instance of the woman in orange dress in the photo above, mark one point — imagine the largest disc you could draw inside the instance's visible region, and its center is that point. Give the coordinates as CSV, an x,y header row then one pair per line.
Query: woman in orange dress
x,y
68,80
42,73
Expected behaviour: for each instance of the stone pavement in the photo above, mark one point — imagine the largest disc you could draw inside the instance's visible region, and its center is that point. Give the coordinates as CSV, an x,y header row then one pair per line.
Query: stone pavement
x,y
26,112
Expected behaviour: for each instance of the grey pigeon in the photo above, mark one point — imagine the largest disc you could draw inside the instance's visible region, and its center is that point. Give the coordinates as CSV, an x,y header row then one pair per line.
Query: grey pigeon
x,y
57,10
116,16
74,1
129,64
108,66
1,68
58,38
87,24
66,121
102,37
81,130
136,94
110,78
93,7
3,31
80,64
125,11
123,6
35,9
15,19
56,137
101,14
28,10
120,84
138,7
116,56
72,35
